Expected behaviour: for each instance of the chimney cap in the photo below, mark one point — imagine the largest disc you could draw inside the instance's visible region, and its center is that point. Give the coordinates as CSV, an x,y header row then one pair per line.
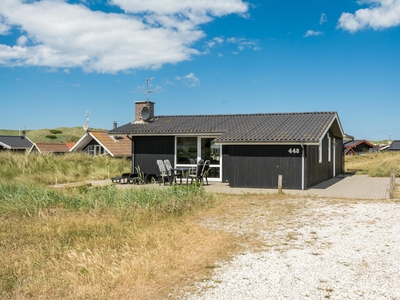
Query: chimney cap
x,y
144,101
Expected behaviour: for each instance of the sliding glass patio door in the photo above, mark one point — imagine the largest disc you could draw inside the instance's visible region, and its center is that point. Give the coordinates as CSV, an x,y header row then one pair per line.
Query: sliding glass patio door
x,y
189,150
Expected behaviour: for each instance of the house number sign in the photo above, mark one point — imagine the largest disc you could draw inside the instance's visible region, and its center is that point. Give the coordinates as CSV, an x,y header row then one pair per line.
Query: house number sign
x,y
294,150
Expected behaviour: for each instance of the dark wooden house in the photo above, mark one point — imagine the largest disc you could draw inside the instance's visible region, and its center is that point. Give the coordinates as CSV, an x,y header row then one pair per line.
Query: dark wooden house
x,y
15,143
357,147
394,146
245,150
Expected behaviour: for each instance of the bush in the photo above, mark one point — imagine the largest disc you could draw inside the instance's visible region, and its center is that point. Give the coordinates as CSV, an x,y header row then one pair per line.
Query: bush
x,y
55,131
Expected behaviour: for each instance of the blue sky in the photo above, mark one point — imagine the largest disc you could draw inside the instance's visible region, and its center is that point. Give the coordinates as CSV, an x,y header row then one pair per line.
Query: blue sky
x,y
62,58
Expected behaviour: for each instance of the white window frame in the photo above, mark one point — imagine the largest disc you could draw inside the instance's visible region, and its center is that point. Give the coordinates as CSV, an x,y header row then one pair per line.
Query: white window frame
x,y
320,152
329,148
198,157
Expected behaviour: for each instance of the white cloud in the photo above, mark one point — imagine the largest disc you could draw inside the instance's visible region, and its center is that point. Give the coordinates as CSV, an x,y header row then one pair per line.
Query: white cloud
x,y
4,28
22,40
191,9
323,18
215,41
149,34
189,80
380,14
313,33
243,43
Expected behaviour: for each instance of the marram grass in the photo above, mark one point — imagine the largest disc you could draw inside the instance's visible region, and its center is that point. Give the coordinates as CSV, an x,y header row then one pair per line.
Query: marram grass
x,y
30,200
102,242
374,164
52,169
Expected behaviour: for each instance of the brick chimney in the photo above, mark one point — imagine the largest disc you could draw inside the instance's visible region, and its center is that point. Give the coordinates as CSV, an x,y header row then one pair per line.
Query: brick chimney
x,y
140,114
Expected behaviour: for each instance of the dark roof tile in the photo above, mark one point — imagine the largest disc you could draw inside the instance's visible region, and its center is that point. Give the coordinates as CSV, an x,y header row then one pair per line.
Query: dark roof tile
x,y
15,142
276,127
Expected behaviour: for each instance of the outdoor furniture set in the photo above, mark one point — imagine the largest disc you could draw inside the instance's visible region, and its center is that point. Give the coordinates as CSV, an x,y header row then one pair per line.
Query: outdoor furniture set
x,y
134,178
168,174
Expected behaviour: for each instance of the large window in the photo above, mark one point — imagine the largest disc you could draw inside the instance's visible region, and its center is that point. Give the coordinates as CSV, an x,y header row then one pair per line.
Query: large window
x,y
190,149
186,149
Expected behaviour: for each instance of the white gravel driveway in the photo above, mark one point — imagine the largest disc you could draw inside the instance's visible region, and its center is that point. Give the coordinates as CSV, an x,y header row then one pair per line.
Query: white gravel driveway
x,y
336,250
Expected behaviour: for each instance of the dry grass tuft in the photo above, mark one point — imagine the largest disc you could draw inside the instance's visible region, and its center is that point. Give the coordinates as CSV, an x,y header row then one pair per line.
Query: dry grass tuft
x,y
374,164
100,243
79,256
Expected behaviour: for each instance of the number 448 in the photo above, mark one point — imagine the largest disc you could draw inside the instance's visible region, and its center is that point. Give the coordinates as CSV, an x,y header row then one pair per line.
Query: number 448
x,y
294,150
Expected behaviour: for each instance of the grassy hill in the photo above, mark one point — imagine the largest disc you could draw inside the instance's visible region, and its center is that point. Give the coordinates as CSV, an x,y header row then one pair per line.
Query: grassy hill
x,y
57,135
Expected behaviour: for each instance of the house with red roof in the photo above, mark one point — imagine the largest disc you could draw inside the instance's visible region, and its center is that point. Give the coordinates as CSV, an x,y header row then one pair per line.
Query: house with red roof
x,y
49,148
98,142
357,147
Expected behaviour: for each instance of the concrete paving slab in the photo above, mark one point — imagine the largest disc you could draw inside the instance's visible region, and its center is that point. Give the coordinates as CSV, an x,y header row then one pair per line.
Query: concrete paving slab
x,y
350,187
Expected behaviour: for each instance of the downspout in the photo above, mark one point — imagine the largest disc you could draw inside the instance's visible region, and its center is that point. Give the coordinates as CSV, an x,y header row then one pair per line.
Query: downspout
x,y
302,167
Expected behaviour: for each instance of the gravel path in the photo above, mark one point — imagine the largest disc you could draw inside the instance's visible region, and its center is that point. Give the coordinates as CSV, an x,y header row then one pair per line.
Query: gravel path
x,y
335,251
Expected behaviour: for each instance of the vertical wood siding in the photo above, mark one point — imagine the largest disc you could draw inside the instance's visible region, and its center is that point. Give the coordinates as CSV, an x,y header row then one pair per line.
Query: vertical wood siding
x,y
226,164
317,172
339,157
148,149
258,166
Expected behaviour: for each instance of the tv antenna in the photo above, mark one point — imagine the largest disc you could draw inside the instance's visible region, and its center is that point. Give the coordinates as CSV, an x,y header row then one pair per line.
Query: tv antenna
x,y
145,113
147,89
86,125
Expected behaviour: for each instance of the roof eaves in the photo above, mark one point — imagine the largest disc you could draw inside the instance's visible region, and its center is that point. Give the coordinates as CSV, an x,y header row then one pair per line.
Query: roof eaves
x,y
335,118
5,145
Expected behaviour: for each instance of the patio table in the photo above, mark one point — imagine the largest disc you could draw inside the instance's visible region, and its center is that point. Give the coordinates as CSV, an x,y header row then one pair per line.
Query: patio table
x,y
183,170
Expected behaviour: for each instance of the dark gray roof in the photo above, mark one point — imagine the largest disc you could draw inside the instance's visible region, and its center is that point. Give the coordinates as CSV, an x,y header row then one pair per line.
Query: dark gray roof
x,y
245,128
394,146
15,142
355,143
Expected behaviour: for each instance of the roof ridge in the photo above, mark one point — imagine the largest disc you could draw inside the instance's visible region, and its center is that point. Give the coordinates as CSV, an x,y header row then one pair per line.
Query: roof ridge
x,y
249,114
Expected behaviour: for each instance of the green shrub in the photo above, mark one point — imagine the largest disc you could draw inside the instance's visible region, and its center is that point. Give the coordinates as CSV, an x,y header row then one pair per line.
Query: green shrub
x,y
52,137
55,131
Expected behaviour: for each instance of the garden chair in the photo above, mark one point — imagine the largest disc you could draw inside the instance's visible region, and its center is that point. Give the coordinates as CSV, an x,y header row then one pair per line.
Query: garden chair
x,y
200,172
173,173
163,177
